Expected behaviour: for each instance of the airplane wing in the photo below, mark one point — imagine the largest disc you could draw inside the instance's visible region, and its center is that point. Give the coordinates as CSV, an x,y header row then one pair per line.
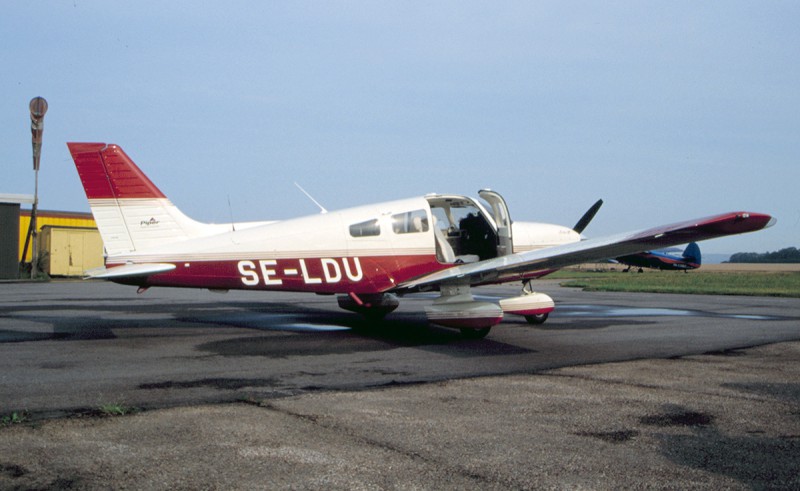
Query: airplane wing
x,y
516,266
129,270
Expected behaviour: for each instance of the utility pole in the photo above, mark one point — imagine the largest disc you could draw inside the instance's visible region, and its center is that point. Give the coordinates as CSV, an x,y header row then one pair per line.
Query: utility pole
x,y
38,107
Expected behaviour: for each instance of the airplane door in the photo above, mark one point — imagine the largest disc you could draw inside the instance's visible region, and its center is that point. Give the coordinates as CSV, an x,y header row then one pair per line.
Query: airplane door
x,y
502,219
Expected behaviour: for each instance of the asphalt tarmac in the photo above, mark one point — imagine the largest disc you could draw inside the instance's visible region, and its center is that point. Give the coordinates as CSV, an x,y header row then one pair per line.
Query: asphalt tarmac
x,y
280,390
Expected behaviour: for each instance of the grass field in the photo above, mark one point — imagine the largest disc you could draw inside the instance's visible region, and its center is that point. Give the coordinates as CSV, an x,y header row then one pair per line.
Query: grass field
x,y
774,284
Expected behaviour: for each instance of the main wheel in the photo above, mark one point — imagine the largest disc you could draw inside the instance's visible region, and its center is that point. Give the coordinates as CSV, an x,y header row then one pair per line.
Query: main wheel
x,y
475,333
536,319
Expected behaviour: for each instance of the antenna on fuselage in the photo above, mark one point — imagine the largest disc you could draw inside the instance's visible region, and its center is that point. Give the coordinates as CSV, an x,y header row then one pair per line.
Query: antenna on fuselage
x,y
230,210
321,208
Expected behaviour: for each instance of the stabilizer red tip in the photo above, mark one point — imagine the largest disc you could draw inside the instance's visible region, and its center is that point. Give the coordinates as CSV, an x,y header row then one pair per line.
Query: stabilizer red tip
x,y
108,173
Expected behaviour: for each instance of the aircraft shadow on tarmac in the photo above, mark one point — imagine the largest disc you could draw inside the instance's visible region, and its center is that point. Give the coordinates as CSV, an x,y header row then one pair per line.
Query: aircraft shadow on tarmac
x,y
288,329
293,329
308,331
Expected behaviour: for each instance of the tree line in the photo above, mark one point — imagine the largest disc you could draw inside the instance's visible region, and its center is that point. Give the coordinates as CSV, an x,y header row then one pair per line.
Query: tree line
x,y
788,255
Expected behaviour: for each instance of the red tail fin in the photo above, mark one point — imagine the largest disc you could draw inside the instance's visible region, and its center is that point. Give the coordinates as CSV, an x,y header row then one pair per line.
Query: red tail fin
x,y
108,173
131,212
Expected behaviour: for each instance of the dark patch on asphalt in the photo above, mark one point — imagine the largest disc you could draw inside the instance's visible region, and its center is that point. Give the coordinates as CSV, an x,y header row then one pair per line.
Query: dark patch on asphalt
x,y
555,323
64,483
759,462
471,348
684,418
57,365
574,310
787,391
611,436
359,335
77,323
727,352
7,336
216,383
283,346
12,470
347,342
78,329
384,371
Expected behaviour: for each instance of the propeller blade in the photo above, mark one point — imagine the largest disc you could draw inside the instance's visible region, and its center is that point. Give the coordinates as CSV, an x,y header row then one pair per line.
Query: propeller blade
x,y
587,217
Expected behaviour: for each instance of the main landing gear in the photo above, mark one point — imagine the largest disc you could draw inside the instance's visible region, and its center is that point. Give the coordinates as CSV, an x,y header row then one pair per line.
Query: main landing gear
x,y
457,308
535,307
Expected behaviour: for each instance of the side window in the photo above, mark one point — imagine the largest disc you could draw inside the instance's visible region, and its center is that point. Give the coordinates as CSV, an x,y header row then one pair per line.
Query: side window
x,y
410,222
370,228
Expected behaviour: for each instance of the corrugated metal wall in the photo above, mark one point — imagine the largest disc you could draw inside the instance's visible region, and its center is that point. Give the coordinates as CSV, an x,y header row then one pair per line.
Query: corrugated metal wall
x,y
70,251
54,218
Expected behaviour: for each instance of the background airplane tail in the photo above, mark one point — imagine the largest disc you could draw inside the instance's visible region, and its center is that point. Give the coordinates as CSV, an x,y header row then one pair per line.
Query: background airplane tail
x,y
692,253
132,214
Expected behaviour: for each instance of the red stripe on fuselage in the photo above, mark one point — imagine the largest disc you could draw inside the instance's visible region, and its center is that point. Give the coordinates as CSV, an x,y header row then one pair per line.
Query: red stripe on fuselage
x,y
317,275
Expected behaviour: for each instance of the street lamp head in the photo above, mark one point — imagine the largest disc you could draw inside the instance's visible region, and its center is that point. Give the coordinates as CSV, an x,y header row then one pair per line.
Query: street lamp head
x,y
38,108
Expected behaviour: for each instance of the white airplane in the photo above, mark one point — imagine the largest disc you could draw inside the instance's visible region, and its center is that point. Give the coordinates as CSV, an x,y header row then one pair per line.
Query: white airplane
x,y
368,255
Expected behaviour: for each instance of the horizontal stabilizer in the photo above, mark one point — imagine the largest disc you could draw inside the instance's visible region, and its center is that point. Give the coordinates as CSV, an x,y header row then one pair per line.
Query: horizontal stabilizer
x,y
129,270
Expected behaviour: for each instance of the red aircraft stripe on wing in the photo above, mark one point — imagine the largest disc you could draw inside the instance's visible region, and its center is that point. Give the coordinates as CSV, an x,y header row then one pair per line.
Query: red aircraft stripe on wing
x,y
108,173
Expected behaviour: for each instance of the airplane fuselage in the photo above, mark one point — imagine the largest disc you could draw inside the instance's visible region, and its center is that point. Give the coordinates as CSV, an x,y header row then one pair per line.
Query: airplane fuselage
x,y
365,250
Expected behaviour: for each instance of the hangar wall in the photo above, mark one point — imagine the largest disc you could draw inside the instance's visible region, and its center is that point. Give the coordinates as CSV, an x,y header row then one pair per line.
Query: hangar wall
x,y
9,240
70,251
51,218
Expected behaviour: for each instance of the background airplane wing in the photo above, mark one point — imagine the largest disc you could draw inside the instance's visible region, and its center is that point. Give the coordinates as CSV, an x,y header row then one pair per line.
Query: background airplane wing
x,y
516,266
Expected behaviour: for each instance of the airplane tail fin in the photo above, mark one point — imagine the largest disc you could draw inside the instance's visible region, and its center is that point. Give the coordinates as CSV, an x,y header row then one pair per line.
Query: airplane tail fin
x,y
132,214
692,253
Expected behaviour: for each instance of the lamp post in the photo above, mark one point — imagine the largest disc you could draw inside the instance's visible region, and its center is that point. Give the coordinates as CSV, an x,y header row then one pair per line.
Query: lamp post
x,y
38,107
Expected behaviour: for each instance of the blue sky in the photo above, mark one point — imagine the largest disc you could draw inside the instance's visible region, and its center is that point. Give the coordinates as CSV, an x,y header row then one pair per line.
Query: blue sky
x,y
666,110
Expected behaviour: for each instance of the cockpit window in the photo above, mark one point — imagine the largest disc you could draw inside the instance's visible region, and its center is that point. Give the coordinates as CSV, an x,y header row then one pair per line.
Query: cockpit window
x,y
370,228
410,222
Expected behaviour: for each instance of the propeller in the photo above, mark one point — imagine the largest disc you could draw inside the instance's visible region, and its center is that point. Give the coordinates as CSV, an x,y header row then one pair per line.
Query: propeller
x,y
587,217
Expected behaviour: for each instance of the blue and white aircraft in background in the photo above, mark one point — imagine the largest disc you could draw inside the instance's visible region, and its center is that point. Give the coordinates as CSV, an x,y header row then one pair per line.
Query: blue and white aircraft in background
x,y
690,259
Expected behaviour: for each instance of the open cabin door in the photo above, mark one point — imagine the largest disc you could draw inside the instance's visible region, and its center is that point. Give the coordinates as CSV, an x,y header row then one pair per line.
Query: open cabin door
x,y
502,219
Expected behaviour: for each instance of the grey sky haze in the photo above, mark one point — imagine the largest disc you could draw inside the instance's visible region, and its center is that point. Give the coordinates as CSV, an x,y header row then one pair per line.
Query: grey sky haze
x,y
666,110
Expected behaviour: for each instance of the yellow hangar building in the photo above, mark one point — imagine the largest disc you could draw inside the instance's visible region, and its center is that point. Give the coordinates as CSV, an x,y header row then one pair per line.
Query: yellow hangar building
x,y
69,242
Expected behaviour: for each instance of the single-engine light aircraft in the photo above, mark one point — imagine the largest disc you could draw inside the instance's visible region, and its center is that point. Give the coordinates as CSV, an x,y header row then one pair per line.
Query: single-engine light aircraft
x,y
369,255
690,259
